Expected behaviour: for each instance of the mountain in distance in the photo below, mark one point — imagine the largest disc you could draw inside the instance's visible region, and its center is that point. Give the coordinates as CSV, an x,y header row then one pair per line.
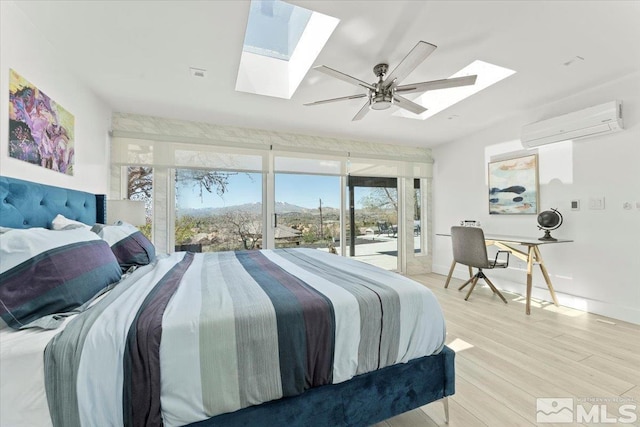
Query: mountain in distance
x,y
256,208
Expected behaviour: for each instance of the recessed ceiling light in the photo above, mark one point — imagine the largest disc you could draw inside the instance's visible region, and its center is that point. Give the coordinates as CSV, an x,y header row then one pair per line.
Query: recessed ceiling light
x,y
438,100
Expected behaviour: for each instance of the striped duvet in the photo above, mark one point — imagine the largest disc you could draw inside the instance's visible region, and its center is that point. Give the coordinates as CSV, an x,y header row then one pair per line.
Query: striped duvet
x,y
196,335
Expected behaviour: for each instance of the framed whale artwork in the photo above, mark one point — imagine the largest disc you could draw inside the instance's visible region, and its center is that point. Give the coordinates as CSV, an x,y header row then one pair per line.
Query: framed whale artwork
x,y
513,186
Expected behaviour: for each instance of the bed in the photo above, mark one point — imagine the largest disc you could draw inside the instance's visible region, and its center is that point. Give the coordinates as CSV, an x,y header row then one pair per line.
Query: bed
x,y
163,345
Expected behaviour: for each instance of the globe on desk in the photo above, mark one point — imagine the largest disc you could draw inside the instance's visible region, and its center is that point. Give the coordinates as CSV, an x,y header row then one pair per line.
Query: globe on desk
x,y
547,221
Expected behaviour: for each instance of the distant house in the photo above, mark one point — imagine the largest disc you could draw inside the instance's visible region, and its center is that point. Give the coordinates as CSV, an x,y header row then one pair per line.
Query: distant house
x,y
287,236
284,237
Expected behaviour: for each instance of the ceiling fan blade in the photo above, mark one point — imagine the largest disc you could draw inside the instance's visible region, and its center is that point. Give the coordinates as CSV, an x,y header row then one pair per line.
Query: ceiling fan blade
x,y
363,111
408,105
437,84
342,98
419,53
344,77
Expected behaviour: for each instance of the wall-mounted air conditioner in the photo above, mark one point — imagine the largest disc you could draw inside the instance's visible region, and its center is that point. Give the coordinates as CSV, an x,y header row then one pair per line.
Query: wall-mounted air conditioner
x,y
596,120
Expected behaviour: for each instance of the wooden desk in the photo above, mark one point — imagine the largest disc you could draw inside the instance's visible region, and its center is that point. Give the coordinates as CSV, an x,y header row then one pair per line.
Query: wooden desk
x,y
531,256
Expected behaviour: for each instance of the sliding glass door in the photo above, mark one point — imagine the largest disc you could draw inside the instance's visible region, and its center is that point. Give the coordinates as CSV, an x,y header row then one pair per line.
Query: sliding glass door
x,y
214,197
373,220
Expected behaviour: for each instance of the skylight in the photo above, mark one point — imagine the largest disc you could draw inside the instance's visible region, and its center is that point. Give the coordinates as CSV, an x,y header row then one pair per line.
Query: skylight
x,y
274,28
439,100
281,43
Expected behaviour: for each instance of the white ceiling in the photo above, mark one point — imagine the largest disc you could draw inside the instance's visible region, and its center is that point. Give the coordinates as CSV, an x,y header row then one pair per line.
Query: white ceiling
x,y
136,56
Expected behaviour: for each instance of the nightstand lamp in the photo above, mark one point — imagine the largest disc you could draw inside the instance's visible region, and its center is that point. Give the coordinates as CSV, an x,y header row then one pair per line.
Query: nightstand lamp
x,y
129,211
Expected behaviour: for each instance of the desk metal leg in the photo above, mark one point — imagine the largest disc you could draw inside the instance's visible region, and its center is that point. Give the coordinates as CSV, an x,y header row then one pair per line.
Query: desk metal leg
x,y
546,275
453,265
530,255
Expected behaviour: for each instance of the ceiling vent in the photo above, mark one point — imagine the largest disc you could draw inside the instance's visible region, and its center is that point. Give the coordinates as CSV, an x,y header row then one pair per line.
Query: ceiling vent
x,y
197,72
597,120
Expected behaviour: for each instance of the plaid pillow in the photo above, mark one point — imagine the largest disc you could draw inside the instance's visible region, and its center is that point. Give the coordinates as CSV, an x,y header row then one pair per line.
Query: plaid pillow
x,y
44,272
129,245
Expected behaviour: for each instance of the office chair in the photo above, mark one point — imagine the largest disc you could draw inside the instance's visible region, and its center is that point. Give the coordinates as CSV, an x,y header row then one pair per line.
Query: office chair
x,y
469,248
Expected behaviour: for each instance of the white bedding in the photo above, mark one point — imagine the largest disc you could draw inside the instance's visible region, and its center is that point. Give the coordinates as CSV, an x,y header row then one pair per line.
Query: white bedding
x,y
23,401
22,398
22,393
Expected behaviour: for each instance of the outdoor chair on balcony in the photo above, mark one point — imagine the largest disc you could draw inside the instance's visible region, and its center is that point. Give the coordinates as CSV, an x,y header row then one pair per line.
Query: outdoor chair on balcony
x,y
385,227
192,247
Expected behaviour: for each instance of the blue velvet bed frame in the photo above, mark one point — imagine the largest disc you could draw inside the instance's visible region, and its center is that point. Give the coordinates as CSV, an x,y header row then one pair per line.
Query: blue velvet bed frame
x,y
25,204
363,400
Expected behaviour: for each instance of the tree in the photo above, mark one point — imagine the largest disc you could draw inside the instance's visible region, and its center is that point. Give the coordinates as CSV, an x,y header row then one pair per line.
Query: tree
x,y
381,198
140,181
140,187
184,229
416,203
205,179
246,225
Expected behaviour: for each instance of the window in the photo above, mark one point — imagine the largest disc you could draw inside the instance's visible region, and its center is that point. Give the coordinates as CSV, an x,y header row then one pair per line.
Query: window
x,y
307,208
140,187
217,210
219,195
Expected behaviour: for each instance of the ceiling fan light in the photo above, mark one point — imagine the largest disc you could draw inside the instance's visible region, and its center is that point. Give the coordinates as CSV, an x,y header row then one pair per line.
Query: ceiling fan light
x,y
380,105
381,102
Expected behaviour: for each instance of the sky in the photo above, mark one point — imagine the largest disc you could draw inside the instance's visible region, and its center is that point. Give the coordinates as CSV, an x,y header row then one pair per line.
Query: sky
x,y
300,190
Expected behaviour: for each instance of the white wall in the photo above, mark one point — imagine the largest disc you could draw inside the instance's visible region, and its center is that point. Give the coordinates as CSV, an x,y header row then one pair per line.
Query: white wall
x,y
26,50
597,272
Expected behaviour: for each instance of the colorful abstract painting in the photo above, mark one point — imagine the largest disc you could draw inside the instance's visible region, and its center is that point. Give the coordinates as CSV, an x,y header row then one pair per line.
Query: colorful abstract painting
x,y
513,186
40,130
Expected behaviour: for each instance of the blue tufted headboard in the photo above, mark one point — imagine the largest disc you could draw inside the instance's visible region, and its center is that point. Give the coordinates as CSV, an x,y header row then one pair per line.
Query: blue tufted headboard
x,y
25,204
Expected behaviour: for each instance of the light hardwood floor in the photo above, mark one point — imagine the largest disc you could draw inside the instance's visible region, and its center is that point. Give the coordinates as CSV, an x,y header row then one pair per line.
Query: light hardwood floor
x,y
505,360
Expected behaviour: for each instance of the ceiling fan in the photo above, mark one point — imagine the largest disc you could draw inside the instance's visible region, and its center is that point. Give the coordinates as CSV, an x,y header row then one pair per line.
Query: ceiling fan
x,y
387,91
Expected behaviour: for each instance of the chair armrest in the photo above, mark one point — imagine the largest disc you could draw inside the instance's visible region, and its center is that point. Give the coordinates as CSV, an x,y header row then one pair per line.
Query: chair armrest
x,y
495,261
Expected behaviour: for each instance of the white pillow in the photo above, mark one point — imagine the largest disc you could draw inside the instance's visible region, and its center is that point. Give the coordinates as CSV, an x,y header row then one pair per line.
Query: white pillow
x,y
60,223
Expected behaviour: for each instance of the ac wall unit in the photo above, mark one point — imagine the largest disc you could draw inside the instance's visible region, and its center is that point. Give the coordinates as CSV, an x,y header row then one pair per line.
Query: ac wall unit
x,y
596,120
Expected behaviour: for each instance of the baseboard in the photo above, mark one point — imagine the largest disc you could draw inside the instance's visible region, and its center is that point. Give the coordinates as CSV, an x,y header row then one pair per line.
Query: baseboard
x,y
540,292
